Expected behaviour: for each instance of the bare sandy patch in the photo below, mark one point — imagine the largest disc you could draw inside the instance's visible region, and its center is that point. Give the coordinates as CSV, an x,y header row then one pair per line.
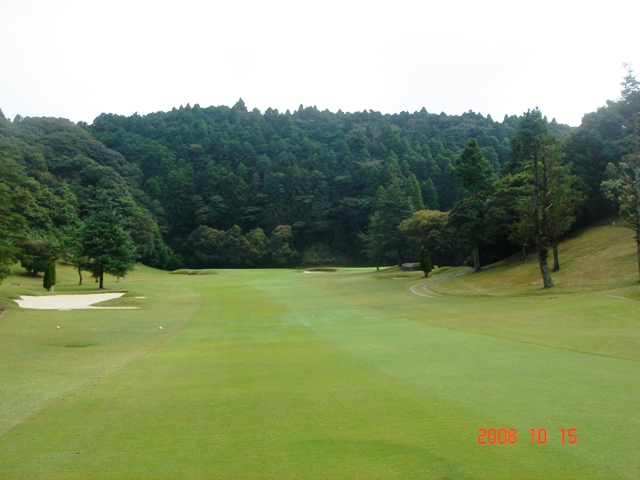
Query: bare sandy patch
x,y
68,302
321,270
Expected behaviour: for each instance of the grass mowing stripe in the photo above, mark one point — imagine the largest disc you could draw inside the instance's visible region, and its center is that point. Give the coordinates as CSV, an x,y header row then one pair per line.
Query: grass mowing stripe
x,y
531,385
585,323
260,409
42,364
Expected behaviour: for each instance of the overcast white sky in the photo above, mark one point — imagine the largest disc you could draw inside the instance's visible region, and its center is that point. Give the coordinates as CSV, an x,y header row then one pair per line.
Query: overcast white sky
x,y
78,58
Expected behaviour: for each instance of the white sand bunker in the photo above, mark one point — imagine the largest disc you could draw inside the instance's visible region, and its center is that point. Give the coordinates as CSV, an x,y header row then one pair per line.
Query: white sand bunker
x,y
68,302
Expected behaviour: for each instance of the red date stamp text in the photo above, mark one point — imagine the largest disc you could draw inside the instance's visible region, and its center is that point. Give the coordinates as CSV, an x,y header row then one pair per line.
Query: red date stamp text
x,y
504,436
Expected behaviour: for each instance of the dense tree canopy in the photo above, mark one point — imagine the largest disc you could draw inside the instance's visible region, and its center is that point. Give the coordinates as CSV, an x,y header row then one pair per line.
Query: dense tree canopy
x,y
12,224
227,187
317,171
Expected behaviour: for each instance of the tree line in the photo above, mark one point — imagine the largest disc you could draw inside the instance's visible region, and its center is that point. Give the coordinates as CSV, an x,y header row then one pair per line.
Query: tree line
x,y
227,187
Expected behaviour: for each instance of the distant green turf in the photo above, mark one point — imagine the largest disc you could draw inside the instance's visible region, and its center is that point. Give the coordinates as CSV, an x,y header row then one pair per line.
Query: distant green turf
x,y
274,374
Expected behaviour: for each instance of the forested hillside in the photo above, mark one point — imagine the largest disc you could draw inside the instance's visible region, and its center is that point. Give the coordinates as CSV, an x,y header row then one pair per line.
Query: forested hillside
x,y
317,172
227,187
52,171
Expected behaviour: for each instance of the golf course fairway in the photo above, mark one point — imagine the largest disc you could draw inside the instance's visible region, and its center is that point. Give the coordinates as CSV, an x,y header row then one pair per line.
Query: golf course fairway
x,y
281,374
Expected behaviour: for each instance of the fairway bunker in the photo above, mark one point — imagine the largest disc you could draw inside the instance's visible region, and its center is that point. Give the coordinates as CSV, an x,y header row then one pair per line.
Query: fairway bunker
x,y
75,344
320,270
69,302
186,271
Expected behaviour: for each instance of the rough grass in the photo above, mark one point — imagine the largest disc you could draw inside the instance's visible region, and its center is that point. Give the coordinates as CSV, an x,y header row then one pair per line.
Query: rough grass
x,y
598,259
271,374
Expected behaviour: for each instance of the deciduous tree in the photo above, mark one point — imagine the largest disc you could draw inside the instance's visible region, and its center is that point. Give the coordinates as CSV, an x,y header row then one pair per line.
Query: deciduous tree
x,y
37,251
431,229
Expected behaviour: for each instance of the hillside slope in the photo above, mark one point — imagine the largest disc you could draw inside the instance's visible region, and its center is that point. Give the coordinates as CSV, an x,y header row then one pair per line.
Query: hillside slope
x,y
599,258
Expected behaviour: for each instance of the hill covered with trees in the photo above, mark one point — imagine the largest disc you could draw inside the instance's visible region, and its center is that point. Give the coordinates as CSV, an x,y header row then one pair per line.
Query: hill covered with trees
x,y
52,172
227,187
315,171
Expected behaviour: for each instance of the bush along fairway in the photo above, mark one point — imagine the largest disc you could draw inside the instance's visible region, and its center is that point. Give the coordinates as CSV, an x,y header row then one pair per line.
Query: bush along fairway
x,y
274,374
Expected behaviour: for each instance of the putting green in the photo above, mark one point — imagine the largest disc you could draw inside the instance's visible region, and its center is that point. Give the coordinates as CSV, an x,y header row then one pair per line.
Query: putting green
x,y
276,374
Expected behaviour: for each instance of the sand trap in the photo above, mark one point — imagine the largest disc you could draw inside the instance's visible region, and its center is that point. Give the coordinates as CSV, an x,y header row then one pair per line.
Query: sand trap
x,y
313,271
68,302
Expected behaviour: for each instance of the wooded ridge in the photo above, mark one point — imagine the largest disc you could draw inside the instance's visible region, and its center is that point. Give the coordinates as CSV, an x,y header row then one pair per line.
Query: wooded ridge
x,y
227,187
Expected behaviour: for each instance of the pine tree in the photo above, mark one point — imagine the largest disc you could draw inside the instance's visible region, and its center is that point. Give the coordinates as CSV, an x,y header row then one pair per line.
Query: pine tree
x,y
476,175
392,205
537,154
623,183
106,246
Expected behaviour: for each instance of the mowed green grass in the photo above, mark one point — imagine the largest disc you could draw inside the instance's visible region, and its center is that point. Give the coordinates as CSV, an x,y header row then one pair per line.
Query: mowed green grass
x,y
280,374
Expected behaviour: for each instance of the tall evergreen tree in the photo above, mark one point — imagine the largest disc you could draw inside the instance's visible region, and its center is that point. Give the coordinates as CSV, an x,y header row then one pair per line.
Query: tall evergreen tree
x,y
476,176
372,240
392,205
566,197
106,246
623,183
536,152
